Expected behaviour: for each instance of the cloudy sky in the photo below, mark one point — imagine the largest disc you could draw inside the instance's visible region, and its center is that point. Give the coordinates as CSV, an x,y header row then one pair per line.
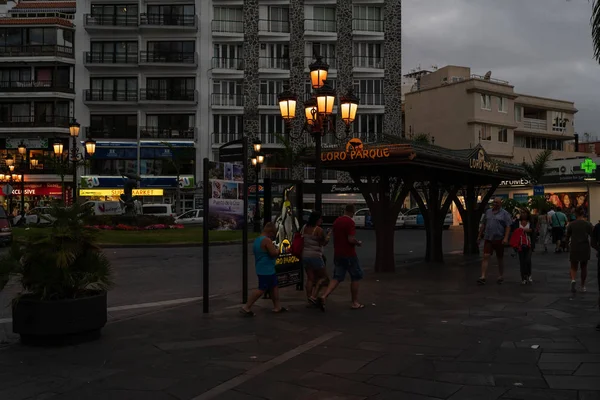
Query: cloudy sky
x,y
542,47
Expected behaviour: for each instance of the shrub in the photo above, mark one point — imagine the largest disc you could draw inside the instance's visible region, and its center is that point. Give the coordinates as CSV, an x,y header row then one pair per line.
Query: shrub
x,y
140,221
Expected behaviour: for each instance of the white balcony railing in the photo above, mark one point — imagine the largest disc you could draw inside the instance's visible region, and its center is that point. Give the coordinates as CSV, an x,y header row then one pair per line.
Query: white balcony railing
x,y
535,124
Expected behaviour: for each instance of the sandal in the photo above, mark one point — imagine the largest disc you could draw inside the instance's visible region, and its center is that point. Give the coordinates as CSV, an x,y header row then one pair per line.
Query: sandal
x,y
281,310
500,281
481,281
247,313
321,304
360,306
312,302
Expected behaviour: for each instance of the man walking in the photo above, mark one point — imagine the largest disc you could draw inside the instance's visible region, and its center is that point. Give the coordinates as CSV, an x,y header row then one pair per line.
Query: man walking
x,y
596,245
559,222
345,259
495,231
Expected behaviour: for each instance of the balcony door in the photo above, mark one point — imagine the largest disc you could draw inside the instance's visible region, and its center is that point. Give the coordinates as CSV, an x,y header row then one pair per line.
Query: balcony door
x,y
279,19
268,92
171,51
228,93
230,56
275,55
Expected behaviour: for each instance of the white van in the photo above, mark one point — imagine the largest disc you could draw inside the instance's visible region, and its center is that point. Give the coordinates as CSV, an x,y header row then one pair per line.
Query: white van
x,y
159,210
104,207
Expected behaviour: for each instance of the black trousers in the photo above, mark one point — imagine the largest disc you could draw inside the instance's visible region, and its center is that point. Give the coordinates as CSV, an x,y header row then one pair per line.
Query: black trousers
x,y
525,262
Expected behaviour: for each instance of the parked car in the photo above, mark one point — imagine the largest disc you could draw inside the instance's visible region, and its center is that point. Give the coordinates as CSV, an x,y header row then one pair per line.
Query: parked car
x,y
362,219
36,216
5,229
414,219
192,217
104,207
159,210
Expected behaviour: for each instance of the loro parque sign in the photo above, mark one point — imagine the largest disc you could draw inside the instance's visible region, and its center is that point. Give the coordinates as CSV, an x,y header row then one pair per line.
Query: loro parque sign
x,y
355,150
481,163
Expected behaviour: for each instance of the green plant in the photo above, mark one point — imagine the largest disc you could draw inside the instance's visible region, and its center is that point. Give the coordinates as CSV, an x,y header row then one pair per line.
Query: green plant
x,y
536,169
422,138
539,203
61,262
511,205
141,221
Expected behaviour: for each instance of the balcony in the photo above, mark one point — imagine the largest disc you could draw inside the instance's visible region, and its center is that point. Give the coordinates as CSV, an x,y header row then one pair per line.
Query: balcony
x,y
228,63
169,95
227,100
36,51
271,138
155,132
169,22
98,59
535,124
36,86
368,62
368,137
110,96
104,22
108,132
169,59
227,27
320,25
222,138
273,63
268,99
273,26
331,61
36,122
368,25
371,99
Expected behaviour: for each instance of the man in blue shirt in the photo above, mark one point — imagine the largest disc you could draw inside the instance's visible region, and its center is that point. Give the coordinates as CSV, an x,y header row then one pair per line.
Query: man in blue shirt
x,y
559,221
495,229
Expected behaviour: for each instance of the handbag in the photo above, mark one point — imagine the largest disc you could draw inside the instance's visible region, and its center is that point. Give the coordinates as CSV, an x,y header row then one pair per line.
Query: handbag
x,y
297,244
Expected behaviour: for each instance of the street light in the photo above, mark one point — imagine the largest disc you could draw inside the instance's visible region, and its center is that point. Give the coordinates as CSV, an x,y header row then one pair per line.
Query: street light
x,y
34,161
58,148
76,156
317,111
22,149
257,160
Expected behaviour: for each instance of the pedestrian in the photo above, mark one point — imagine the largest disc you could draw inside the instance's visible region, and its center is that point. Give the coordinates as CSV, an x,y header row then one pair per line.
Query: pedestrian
x,y
544,231
522,242
312,254
559,222
265,254
596,245
579,232
345,259
535,228
495,230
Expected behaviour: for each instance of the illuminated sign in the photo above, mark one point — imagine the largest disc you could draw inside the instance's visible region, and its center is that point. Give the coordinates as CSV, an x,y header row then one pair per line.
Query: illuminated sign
x,y
118,192
355,150
588,165
482,164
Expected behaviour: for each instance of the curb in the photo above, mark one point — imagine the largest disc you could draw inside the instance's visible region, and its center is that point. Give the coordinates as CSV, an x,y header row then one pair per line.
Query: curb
x,y
167,245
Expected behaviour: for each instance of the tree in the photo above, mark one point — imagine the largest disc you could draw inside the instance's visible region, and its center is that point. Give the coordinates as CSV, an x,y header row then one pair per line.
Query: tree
x,y
536,169
422,138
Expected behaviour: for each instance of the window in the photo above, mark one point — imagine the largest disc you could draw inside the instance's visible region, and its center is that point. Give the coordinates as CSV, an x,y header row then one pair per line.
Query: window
x,y
174,51
227,127
230,56
367,127
274,56
176,14
367,18
534,142
325,50
15,112
484,132
323,19
14,77
170,88
502,104
370,91
271,126
228,19
368,55
269,89
114,126
559,121
227,93
115,14
113,89
114,52
503,135
279,19
486,102
518,113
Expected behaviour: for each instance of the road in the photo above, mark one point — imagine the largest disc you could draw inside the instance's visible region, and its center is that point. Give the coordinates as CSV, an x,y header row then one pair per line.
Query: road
x,y
146,275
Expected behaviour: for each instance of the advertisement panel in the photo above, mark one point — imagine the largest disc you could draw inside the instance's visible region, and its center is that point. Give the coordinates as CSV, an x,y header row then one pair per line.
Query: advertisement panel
x,y
569,201
226,203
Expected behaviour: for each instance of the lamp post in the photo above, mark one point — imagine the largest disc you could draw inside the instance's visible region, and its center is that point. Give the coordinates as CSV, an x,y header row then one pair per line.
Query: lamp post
x,y
317,112
75,157
23,153
257,160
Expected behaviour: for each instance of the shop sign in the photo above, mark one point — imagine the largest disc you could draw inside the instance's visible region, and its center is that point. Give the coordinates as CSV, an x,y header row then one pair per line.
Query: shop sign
x,y
29,143
111,182
588,165
517,182
187,182
538,190
36,189
355,150
118,192
481,163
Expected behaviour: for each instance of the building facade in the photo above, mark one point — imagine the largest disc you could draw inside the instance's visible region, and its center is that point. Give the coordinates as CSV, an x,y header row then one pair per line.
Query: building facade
x,y
37,97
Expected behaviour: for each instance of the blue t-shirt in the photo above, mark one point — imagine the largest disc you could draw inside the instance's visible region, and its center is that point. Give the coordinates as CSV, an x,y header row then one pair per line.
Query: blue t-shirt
x,y
265,264
558,220
496,223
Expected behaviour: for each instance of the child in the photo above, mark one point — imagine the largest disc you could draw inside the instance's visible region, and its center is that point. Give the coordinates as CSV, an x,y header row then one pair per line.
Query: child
x,y
265,254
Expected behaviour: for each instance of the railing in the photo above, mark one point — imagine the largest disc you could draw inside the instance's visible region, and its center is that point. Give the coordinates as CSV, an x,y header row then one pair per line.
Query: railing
x,y
536,124
110,58
225,137
42,50
186,57
320,25
155,132
371,99
35,122
331,61
368,62
114,132
110,95
273,63
35,86
168,94
483,78
271,138
268,99
227,99
228,63
219,25
274,173
168,20
111,20
328,175
368,137
273,25
367,25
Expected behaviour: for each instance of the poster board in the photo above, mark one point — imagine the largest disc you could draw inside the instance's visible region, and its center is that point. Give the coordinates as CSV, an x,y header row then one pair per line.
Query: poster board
x,y
226,197
287,267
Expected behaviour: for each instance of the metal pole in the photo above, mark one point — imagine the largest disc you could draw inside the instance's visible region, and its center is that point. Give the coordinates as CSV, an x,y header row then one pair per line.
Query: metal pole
x,y
74,161
318,176
205,244
23,195
257,212
245,225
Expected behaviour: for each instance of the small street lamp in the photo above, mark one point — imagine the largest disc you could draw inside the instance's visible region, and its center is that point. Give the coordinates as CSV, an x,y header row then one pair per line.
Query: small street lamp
x,y
11,177
257,160
317,113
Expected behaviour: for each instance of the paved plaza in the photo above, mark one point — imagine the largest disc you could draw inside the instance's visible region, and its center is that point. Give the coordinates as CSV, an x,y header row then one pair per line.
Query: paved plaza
x,y
428,332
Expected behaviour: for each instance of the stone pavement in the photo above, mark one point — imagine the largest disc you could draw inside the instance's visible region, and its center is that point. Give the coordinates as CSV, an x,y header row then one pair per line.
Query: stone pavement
x,y
428,332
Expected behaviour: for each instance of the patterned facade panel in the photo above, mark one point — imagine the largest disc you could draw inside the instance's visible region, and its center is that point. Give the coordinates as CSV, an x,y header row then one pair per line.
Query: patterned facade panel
x,y
392,51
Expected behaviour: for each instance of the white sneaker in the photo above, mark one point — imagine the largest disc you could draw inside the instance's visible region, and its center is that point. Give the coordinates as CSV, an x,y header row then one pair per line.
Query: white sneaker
x,y
530,279
573,287
524,282
583,289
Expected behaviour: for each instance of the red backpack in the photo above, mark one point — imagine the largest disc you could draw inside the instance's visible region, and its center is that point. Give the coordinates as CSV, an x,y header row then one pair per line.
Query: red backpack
x,y
520,239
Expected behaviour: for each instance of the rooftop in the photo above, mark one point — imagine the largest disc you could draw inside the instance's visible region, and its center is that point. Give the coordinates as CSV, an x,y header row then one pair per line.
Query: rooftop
x,y
36,21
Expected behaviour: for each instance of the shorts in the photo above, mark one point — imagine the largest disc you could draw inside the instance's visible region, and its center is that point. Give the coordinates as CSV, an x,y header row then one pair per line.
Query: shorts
x,y
349,265
313,263
267,282
557,233
494,246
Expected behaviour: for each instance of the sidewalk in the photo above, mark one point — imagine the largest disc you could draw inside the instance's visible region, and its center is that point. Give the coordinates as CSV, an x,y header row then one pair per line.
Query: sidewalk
x,y
428,332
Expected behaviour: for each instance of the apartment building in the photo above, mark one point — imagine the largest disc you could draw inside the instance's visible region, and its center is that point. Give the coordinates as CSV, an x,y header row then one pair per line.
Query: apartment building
x,y
37,93
461,110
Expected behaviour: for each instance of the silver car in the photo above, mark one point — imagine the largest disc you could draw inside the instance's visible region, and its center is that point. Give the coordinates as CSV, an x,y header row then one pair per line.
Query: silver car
x,y
193,217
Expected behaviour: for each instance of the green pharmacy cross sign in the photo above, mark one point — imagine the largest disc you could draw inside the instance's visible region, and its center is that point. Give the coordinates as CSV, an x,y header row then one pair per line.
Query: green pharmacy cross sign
x,y
589,166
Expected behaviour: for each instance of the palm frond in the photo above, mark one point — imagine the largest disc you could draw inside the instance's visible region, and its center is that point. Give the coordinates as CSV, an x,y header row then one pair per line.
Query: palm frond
x,y
595,23
536,169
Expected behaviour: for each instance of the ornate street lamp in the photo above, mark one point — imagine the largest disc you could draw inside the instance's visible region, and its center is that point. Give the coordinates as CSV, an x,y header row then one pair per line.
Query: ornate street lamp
x,y
76,156
90,146
257,160
310,111
22,149
287,105
348,108
58,148
318,72
9,161
325,99
34,161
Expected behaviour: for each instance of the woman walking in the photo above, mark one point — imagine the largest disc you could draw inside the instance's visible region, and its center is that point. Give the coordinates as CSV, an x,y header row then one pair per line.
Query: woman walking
x,y
579,232
544,229
522,242
312,255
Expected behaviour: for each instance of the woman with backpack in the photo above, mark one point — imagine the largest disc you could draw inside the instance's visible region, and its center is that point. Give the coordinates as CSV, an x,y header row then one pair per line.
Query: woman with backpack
x,y
312,255
522,243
